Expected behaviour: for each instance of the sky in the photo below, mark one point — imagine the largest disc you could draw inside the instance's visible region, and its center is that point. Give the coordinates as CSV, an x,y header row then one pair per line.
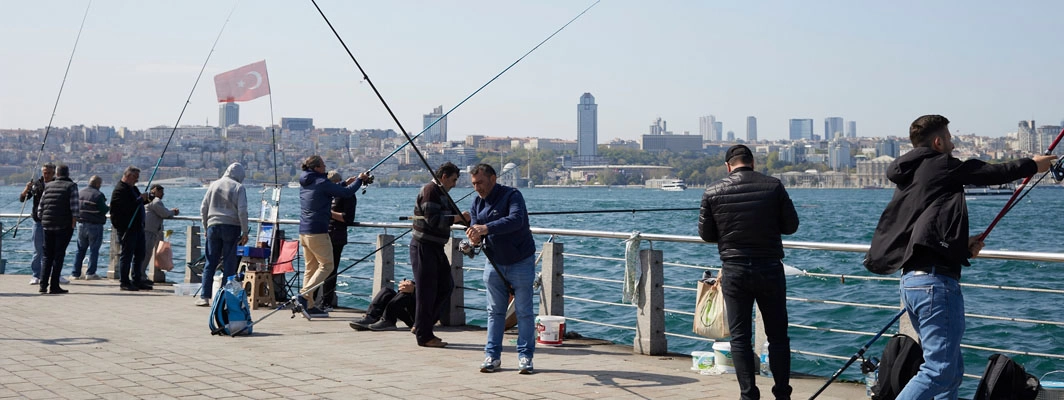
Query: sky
x,y
983,64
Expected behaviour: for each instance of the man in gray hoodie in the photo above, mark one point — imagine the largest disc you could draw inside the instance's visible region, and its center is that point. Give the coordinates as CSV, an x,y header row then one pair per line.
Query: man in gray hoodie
x,y
224,213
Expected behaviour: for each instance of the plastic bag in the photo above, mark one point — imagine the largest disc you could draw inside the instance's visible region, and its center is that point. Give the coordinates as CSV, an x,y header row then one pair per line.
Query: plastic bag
x,y
164,256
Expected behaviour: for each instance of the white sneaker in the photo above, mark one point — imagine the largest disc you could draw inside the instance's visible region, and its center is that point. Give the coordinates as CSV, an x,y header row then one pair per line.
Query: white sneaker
x,y
63,280
35,281
92,277
201,302
75,278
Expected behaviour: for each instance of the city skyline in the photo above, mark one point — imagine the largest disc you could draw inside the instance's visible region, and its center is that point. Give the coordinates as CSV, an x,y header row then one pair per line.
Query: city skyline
x,y
136,63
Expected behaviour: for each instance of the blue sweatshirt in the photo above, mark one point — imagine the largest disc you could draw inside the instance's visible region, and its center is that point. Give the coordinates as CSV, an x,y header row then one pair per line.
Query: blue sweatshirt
x,y
506,217
315,198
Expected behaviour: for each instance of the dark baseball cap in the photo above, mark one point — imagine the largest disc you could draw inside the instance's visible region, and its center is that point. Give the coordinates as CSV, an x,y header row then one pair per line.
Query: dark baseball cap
x,y
736,151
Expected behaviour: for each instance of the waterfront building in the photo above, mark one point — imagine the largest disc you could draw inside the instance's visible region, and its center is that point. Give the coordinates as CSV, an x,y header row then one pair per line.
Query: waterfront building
x,y
673,143
873,173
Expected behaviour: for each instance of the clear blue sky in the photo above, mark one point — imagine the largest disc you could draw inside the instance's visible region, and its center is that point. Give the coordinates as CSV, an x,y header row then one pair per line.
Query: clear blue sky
x,y
983,64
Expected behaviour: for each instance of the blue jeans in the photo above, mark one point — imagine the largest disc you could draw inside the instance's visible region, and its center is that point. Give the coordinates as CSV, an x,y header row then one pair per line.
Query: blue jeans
x,y
935,306
762,280
38,249
520,274
221,243
90,236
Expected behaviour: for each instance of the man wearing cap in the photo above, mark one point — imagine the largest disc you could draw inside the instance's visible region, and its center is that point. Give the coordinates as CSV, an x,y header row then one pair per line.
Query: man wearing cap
x,y
154,214
745,213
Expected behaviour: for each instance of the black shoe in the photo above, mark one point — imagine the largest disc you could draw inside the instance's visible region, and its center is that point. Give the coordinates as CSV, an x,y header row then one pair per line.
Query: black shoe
x,y
144,286
316,312
382,325
58,290
362,324
43,290
127,287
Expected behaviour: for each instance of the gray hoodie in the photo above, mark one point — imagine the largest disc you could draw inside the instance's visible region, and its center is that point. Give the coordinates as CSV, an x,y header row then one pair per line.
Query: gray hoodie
x,y
226,203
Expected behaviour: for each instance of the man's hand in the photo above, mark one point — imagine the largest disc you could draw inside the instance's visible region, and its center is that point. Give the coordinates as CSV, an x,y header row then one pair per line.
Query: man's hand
x,y
462,219
476,232
975,246
244,239
146,197
175,211
1044,162
349,181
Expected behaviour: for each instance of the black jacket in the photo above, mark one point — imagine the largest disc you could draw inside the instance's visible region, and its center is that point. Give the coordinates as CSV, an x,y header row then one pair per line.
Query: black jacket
x,y
926,222
745,213
126,205
345,206
59,204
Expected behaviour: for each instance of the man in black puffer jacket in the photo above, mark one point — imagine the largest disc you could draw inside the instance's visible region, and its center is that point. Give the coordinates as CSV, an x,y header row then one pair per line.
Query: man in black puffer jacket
x,y
745,213
58,214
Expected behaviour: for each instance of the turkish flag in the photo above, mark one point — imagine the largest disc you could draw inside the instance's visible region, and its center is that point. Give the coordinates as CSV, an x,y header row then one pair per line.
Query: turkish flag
x,y
242,84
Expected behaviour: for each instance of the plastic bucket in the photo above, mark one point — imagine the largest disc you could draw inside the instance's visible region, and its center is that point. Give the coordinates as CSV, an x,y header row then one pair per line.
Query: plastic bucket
x,y
550,330
701,360
1051,389
722,357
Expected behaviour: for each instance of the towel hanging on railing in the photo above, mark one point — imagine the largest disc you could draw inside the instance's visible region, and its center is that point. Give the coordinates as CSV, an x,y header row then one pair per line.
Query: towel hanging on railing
x,y
631,269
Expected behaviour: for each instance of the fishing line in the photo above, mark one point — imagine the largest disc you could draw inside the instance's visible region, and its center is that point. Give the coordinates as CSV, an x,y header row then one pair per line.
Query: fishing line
x,y
1013,200
55,107
634,210
273,134
183,108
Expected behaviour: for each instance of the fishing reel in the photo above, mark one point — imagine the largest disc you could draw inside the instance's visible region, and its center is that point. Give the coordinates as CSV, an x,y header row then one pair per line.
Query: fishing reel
x,y
468,248
1058,170
367,181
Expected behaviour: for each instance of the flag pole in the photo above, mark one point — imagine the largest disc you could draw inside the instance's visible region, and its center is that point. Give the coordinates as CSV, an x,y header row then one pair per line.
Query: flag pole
x,y
273,130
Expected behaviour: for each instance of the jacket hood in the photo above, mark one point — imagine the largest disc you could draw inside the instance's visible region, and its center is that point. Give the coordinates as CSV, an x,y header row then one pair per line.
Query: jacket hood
x,y
310,177
903,169
235,172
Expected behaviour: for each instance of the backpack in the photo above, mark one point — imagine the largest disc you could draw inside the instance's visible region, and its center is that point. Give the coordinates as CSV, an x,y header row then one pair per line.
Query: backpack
x,y
900,362
230,314
1004,379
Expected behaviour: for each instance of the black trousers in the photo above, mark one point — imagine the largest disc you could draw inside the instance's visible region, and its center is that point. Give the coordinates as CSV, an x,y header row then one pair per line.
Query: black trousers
x,y
55,245
761,280
432,275
131,256
339,240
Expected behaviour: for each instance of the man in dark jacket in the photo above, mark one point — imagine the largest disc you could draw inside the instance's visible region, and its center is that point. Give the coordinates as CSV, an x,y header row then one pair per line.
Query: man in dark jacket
x,y
34,190
745,213
92,214
127,219
924,232
343,216
58,214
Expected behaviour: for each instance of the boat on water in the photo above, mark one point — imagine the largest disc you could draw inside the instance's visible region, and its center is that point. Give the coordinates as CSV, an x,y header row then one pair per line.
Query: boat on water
x,y
675,185
988,192
293,185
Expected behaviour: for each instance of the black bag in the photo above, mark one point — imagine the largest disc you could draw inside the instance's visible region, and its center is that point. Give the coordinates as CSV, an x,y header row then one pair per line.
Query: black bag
x,y
900,362
1004,379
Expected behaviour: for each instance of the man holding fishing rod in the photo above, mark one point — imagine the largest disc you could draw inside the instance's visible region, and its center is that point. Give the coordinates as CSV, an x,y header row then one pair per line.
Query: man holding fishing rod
x,y
127,219
924,232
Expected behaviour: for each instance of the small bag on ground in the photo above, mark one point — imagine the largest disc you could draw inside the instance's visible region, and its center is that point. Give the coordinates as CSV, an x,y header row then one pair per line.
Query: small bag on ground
x,y
1004,379
164,256
901,361
711,316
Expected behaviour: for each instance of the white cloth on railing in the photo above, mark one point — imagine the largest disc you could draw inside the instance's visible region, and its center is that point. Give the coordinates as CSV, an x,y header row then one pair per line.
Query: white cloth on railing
x,y
631,269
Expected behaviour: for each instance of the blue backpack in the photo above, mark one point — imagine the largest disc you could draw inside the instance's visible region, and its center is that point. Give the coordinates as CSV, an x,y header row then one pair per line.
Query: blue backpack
x,y
229,312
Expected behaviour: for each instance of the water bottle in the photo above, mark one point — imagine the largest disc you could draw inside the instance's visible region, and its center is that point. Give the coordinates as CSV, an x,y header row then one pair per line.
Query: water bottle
x,y
232,286
765,369
870,368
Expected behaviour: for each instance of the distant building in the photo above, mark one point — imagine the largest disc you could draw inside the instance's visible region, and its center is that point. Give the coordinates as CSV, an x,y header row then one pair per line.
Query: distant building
x,y
659,127
731,136
851,129
888,147
1046,134
707,128
751,129
228,114
673,143
438,132
1026,138
297,124
832,128
839,157
587,126
718,131
873,172
801,129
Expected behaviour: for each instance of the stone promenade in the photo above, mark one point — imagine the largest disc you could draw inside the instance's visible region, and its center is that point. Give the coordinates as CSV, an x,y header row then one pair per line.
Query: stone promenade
x,y
99,342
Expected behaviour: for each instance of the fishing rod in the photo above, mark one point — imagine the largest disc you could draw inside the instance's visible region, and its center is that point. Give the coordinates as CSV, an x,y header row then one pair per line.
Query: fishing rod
x,y
1057,170
55,107
634,210
183,108
860,353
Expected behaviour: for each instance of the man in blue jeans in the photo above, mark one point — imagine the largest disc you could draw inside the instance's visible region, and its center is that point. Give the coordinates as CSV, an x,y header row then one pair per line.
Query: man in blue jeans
x,y
745,214
91,216
224,211
924,232
499,221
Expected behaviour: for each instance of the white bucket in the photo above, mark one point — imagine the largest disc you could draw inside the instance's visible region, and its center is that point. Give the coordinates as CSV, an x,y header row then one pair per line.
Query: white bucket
x,y
701,360
722,357
550,330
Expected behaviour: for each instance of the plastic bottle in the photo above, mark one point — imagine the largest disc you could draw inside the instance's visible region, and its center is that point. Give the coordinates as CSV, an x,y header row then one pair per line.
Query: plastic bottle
x,y
870,369
766,370
232,286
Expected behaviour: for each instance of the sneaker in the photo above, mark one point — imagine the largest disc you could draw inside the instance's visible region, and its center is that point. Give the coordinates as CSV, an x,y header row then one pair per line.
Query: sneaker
x,y
58,291
362,324
92,277
490,365
301,306
317,313
382,325
144,286
202,302
524,366
74,278
63,280
128,287
327,309
35,281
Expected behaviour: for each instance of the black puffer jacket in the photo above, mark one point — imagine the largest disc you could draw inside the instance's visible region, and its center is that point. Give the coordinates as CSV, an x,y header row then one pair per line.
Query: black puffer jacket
x,y
745,213
59,204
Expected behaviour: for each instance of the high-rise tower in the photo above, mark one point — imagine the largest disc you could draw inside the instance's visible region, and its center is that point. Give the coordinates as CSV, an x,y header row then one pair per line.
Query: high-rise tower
x,y
751,129
438,132
587,127
228,114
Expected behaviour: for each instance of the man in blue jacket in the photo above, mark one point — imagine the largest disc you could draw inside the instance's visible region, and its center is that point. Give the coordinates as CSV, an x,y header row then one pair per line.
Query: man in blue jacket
x,y
316,193
499,222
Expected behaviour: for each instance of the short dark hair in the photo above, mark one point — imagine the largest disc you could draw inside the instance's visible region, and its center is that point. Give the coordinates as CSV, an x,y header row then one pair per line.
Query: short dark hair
x,y
62,171
485,168
447,169
923,131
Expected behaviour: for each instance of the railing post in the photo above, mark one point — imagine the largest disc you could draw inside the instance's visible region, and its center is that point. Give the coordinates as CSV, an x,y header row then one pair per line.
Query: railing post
x,y
552,302
114,254
650,320
192,252
384,264
3,262
454,313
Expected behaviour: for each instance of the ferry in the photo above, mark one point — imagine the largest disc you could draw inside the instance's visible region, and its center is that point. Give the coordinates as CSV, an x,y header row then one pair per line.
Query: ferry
x,y
988,192
676,185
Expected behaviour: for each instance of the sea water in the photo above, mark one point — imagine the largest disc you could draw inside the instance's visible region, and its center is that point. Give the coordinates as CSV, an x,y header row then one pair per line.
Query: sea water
x,y
827,215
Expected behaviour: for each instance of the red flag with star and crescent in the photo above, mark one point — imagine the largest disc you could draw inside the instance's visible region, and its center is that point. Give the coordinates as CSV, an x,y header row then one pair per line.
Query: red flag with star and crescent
x,y
242,84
